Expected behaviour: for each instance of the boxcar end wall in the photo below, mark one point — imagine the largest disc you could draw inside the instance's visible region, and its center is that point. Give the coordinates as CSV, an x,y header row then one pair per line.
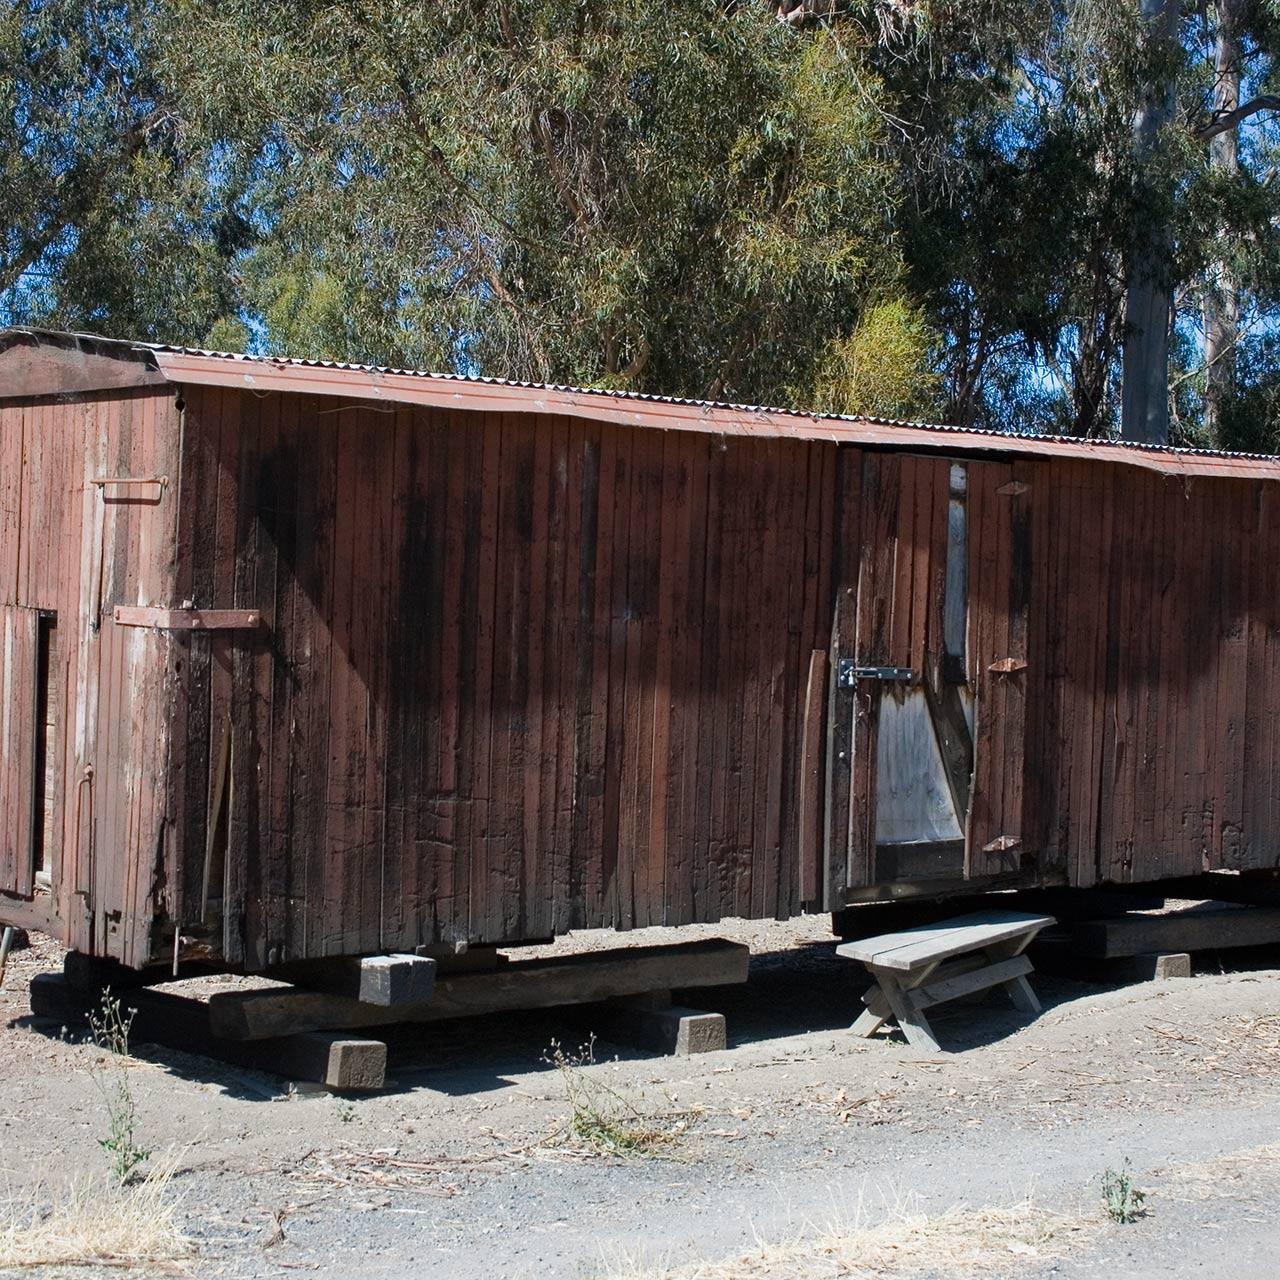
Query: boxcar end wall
x,y
294,673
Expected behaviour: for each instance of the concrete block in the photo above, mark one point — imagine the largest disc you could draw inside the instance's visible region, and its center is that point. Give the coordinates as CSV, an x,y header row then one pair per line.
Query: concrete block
x,y
1156,964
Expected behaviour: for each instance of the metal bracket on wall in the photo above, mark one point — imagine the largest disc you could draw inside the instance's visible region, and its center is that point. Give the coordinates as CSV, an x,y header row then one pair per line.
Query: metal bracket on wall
x,y
187,619
848,673
130,484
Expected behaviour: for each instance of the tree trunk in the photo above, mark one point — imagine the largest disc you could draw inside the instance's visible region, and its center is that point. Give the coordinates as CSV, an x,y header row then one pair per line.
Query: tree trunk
x,y
1144,410
1221,292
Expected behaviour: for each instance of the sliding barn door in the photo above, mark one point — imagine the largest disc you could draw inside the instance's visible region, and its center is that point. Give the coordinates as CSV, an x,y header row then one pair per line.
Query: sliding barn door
x,y
927,712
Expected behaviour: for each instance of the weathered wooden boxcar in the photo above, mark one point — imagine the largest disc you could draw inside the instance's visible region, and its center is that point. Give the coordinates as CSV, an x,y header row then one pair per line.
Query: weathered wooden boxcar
x,y
302,660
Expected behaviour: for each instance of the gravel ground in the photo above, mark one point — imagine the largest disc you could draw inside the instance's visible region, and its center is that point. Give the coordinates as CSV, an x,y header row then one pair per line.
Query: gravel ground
x,y
466,1167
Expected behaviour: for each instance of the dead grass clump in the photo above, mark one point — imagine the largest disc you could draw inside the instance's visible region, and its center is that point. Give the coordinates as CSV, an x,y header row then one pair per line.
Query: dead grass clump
x,y
94,1223
901,1241
1238,1175
608,1120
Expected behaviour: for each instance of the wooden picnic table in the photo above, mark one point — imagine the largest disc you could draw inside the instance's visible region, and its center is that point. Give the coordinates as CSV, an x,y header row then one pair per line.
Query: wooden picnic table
x,y
917,968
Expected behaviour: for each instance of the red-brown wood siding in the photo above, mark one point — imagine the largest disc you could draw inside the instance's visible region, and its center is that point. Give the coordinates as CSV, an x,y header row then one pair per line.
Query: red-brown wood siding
x,y
76,549
19,665
523,675
999,503
515,676
1161,670
520,674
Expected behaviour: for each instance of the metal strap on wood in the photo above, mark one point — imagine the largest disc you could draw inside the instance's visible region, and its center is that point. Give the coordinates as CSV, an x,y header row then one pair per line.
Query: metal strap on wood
x,y
187,619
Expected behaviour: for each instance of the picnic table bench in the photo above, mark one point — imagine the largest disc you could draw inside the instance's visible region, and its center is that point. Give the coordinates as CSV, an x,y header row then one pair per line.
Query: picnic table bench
x,y
917,968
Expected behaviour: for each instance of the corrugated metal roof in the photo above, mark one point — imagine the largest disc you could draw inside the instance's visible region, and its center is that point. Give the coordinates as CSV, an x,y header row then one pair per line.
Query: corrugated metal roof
x,y
638,409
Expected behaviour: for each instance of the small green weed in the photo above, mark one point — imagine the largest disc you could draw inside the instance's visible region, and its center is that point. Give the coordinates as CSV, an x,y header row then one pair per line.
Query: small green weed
x,y
110,1027
604,1117
1122,1199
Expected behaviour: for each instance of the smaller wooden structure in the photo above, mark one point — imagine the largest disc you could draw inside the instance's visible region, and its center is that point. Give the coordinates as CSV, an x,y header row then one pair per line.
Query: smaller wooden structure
x,y
933,963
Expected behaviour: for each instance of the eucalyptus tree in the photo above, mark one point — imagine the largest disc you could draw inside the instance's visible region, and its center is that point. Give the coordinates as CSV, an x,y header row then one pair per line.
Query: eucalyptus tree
x,y
691,198
911,206
107,217
1080,218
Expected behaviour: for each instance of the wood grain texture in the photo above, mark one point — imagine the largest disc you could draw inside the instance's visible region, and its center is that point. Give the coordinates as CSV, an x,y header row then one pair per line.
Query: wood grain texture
x,y
522,673
19,735
92,705
537,655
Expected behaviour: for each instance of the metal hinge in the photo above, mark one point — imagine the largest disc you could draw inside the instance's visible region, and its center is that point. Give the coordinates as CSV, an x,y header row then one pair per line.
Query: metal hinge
x,y
848,673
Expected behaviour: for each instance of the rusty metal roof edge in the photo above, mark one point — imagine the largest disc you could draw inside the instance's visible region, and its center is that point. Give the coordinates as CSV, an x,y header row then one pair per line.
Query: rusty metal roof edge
x,y
975,437
644,397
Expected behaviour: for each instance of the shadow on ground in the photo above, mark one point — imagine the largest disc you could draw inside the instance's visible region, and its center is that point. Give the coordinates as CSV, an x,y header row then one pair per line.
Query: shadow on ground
x,y
792,992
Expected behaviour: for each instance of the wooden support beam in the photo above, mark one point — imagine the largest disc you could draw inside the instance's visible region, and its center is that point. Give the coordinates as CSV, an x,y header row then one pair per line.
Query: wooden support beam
x,y
1060,957
1163,964
388,982
1065,904
1211,927
179,1022
1255,888
95,973
521,984
461,958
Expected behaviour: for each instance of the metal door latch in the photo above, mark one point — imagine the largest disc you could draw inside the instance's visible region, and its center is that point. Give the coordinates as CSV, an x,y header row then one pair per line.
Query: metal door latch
x,y
848,673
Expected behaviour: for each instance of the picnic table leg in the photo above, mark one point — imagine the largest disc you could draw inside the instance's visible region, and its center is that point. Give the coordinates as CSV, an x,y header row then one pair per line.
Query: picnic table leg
x,y
1020,992
915,1026
875,1014
1018,989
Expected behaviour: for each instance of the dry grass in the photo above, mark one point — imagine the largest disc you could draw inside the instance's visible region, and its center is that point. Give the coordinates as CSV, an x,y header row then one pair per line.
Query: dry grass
x,y
1239,1175
94,1223
603,1118
898,1239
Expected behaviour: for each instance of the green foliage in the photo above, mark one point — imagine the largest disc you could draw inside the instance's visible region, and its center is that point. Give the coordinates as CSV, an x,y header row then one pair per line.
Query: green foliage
x,y
110,218
682,198
1251,413
923,208
1123,1201
886,366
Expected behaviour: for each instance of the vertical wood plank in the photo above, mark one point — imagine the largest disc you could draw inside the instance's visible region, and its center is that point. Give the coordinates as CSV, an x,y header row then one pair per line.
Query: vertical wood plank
x,y
667,754
596,844
711,717
459,663
1257,718
534,746
486,869
841,702
615,865
686,691
880,497
19,673
1016,517
988,597
810,852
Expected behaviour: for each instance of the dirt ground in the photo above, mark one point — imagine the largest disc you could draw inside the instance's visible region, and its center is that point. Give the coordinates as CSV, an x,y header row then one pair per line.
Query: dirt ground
x,y
467,1166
